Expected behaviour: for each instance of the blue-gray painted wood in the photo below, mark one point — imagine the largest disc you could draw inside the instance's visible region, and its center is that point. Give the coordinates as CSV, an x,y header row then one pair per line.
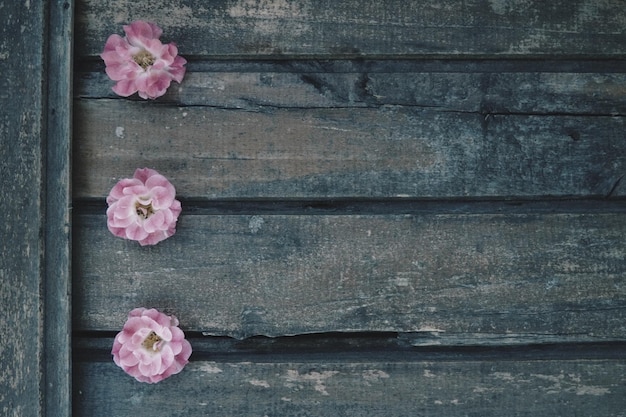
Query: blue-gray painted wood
x,y
35,63
22,129
57,218
448,278
347,28
290,105
375,152
359,386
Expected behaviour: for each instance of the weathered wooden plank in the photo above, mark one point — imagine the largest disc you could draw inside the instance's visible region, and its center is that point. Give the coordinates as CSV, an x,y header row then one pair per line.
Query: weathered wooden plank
x,y
532,278
347,152
34,201
329,28
34,140
57,358
21,127
528,93
360,387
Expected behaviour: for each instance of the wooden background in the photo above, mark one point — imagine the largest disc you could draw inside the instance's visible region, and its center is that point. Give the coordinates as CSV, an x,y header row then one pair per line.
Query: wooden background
x,y
389,208
35,220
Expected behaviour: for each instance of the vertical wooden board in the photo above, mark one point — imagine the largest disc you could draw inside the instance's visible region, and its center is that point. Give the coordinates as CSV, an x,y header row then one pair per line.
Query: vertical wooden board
x,y
353,387
21,126
57,358
34,197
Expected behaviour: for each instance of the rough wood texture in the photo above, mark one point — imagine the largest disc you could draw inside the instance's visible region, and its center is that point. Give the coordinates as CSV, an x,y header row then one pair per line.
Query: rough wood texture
x,y
485,90
349,387
382,152
34,197
330,28
384,188
57,288
21,127
520,276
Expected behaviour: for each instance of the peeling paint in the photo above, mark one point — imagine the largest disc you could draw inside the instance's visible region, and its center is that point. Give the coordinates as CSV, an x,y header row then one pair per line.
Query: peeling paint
x,y
209,368
374,375
401,281
259,383
591,390
136,399
428,374
502,7
255,224
298,381
430,329
506,376
262,8
570,383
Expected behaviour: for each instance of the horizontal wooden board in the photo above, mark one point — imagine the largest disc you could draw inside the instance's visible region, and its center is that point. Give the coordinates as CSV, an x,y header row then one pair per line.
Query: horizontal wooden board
x,y
527,93
346,152
356,388
527,277
348,28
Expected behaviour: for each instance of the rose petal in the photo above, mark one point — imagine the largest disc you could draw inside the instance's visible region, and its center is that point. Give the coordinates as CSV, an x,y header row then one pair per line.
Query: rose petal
x,y
139,32
151,367
167,358
143,174
154,238
117,192
153,83
125,88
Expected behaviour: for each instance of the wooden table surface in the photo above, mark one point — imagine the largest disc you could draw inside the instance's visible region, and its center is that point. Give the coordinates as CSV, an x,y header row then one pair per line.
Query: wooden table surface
x,y
390,208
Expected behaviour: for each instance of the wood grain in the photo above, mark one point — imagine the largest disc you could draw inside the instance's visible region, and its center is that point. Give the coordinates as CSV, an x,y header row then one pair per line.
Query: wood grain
x,y
369,152
21,127
532,278
417,205
360,387
329,28
57,358
537,93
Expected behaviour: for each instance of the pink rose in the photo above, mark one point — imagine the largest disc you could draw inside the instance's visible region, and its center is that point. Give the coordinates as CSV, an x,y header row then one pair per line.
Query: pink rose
x,y
140,63
151,347
143,208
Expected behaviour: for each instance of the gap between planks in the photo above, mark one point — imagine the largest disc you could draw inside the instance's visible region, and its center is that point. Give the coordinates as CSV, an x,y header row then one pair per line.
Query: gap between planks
x,y
383,206
85,65
365,346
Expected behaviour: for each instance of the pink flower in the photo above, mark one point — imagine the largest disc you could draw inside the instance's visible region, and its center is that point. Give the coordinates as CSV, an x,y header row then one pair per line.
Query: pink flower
x,y
151,347
140,63
143,208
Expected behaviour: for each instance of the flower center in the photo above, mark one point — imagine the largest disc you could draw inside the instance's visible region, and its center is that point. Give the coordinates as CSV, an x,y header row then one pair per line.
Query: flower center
x,y
152,342
144,59
144,210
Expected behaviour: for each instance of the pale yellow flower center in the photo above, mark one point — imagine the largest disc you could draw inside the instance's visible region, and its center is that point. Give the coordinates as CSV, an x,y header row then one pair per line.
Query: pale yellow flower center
x,y
151,342
144,210
144,59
